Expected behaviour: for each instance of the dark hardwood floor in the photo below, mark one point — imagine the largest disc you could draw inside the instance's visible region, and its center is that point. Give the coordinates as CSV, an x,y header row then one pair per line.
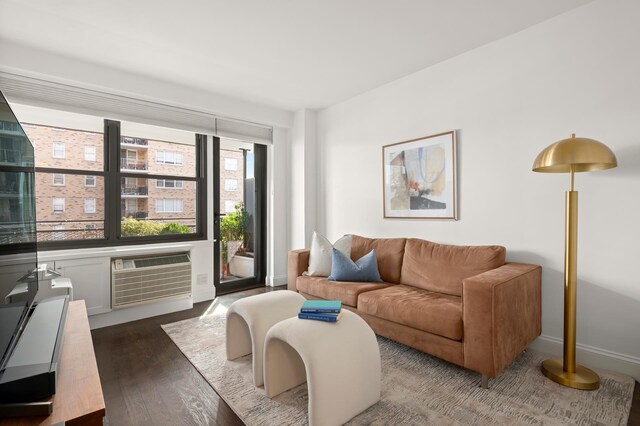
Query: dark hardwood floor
x,y
147,381
634,416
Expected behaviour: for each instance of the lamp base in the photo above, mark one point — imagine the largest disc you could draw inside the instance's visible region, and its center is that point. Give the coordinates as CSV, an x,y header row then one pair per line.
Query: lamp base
x,y
583,378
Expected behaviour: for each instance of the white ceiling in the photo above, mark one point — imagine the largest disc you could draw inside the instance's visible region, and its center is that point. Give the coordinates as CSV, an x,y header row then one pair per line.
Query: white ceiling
x,y
289,54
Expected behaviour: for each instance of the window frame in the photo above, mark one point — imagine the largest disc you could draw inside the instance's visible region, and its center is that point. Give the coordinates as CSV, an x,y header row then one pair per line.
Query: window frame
x,y
175,155
226,211
230,180
64,179
53,205
164,205
112,175
94,181
95,207
233,169
113,135
95,153
64,150
164,183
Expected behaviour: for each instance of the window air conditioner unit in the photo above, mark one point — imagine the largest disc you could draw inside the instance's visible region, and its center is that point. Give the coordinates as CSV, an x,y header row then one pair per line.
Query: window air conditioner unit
x,y
146,279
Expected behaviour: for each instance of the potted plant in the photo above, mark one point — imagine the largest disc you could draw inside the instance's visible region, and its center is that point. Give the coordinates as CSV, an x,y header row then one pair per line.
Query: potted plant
x,y
233,230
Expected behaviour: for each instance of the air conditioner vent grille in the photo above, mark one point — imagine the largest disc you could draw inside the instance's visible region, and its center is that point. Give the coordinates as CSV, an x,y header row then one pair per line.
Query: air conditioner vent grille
x,y
161,260
150,279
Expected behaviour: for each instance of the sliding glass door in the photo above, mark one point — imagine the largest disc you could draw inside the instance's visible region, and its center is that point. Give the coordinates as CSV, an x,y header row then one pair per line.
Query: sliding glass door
x,y
239,214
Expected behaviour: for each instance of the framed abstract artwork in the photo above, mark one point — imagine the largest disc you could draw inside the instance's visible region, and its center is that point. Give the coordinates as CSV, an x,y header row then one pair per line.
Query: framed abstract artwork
x,y
420,178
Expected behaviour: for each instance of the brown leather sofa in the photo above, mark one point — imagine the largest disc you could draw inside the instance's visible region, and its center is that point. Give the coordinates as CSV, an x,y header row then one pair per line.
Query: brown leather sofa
x,y
463,304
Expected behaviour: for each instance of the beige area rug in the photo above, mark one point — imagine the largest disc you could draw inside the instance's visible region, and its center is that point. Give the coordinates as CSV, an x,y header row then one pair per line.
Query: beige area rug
x,y
417,389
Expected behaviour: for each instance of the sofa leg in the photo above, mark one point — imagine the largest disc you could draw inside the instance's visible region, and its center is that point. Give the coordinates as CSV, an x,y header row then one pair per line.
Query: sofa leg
x,y
485,382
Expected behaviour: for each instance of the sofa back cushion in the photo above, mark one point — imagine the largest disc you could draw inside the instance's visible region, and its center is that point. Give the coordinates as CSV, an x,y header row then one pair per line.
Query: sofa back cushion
x,y
389,252
441,268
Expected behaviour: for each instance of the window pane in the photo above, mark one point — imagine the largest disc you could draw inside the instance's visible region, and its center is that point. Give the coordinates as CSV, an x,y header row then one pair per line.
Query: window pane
x,y
64,140
17,216
229,206
157,150
15,148
90,205
59,150
90,153
169,183
231,179
70,212
65,148
230,164
158,206
58,180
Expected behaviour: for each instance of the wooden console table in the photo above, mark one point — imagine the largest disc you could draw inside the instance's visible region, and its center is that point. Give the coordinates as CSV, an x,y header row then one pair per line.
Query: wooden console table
x,y
78,399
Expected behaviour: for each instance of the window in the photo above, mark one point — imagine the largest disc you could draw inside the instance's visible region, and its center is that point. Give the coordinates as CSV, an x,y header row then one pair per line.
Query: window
x,y
231,164
86,191
58,205
90,153
169,183
231,185
90,205
169,157
59,235
58,150
168,205
230,206
58,180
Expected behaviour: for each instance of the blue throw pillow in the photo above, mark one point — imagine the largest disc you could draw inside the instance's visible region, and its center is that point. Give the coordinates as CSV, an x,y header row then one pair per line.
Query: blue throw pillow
x,y
344,269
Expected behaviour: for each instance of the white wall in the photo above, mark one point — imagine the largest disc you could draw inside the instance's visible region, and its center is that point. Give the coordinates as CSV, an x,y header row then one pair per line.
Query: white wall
x,y
578,72
303,179
278,207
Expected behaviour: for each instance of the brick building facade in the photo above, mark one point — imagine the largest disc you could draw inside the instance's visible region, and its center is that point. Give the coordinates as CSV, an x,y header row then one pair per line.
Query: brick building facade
x,y
71,206
231,180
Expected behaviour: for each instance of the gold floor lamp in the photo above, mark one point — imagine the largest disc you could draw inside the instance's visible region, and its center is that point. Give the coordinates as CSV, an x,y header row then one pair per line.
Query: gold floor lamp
x,y
571,156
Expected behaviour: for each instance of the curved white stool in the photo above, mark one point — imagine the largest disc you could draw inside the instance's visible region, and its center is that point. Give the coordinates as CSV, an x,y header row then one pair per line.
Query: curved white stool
x,y
340,362
249,319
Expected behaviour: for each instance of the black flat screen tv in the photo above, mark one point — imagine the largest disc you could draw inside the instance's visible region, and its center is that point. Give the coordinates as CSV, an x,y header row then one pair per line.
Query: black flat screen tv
x,y
17,227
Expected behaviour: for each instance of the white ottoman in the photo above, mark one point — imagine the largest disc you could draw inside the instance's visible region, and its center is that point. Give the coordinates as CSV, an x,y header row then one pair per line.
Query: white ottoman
x,y
340,362
249,319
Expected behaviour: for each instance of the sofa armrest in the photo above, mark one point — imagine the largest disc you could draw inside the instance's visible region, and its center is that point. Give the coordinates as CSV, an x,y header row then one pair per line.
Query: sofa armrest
x,y
298,263
501,314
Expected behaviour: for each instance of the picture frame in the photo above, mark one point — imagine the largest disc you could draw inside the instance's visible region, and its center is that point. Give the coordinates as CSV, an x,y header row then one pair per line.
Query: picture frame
x,y
420,178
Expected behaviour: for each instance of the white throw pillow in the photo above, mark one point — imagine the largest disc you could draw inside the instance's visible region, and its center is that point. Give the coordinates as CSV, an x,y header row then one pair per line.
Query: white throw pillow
x,y
320,255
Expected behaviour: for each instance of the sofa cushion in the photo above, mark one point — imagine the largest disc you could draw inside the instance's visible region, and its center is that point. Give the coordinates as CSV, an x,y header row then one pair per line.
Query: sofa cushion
x,y
346,292
364,269
434,313
441,268
320,254
388,250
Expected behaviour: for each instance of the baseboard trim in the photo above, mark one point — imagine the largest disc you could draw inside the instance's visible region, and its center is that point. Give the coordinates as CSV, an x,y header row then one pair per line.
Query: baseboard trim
x,y
276,280
120,316
592,356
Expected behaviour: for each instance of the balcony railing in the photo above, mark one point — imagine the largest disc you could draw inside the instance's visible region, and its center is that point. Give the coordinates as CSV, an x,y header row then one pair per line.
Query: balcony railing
x,y
128,164
136,190
134,214
134,141
9,156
